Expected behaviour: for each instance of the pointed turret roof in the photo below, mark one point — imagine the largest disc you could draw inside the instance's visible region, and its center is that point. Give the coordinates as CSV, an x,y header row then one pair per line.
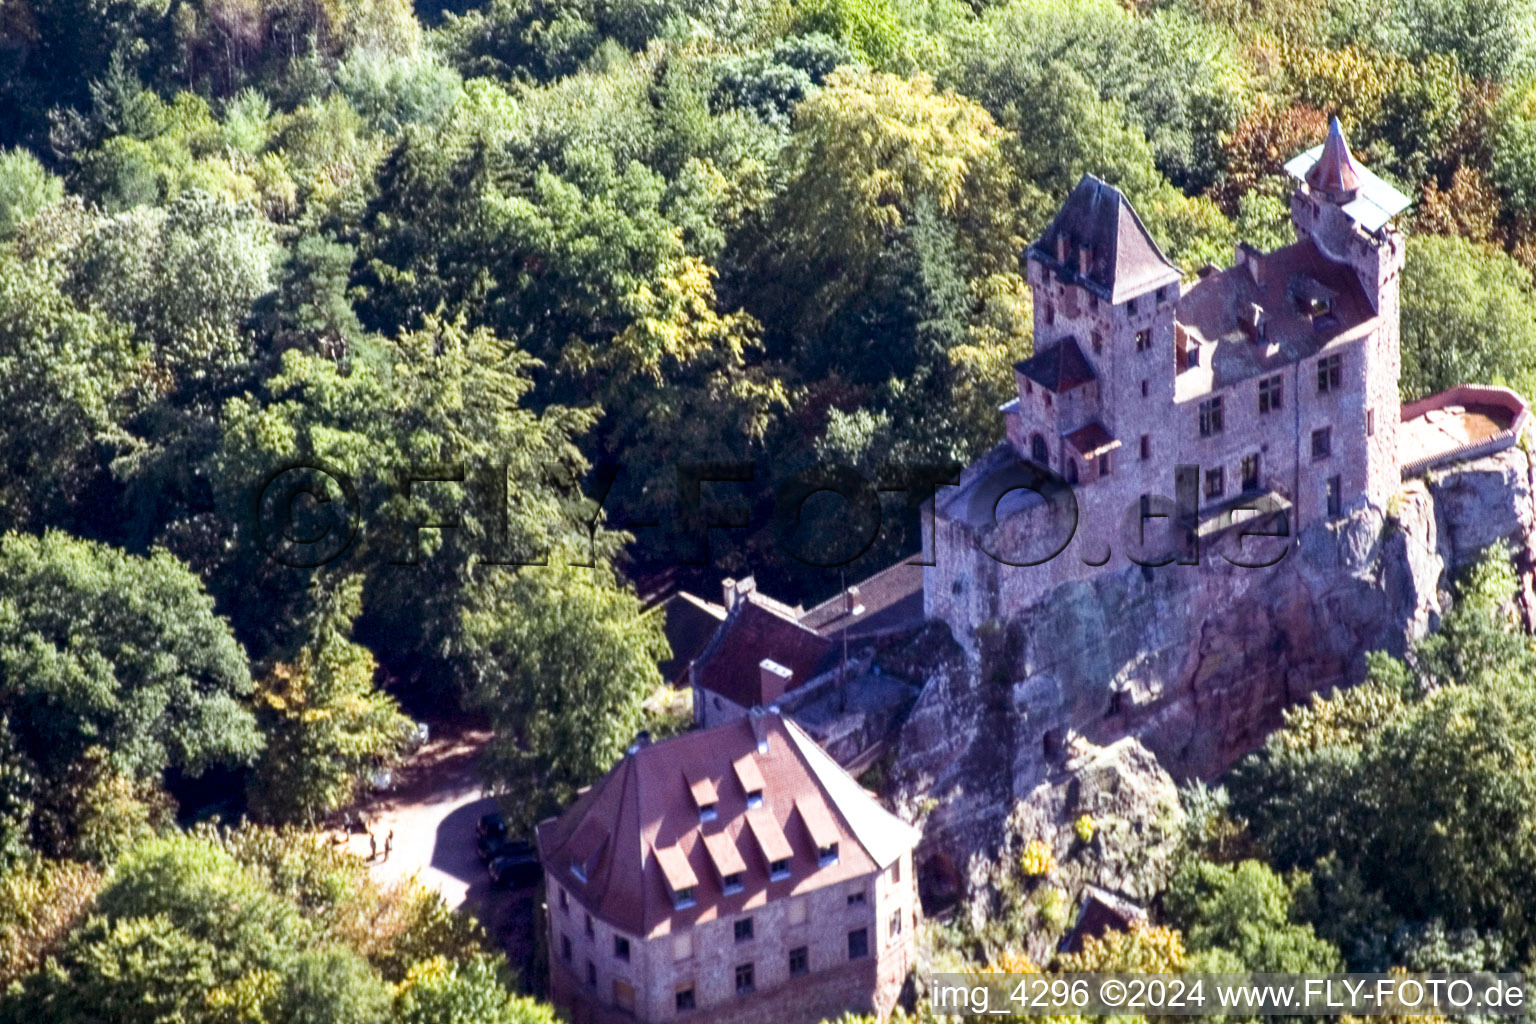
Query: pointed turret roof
x,y
1122,259
1334,173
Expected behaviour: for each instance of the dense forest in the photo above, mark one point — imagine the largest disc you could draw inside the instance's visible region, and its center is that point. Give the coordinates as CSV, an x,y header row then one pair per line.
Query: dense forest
x,y
510,266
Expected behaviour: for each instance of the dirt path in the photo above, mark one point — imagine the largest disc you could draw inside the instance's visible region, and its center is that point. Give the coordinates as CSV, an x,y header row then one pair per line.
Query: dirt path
x,y
432,808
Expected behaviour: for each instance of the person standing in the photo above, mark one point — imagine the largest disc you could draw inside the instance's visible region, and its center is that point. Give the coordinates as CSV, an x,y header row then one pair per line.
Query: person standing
x,y
373,844
389,843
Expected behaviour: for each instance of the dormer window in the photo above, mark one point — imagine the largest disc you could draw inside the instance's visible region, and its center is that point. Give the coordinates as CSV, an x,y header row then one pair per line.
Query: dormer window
x,y
755,798
826,855
578,871
683,898
708,813
731,884
778,870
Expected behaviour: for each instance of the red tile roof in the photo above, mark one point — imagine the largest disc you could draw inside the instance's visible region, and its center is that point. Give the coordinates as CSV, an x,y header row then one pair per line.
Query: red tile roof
x,y
1092,441
1334,171
652,842
1059,368
758,629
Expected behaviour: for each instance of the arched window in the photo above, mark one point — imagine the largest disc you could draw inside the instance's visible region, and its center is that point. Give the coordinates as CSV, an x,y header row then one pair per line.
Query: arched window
x,y
1038,450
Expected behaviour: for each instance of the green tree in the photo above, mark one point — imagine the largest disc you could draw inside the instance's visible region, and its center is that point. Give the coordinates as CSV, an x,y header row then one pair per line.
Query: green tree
x,y
1245,910
1467,315
98,647
437,991
25,188
568,663
324,723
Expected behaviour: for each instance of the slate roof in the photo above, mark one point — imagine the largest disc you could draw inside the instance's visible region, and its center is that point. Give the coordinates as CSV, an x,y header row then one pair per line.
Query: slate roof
x,y
892,598
1125,261
1059,367
689,622
644,824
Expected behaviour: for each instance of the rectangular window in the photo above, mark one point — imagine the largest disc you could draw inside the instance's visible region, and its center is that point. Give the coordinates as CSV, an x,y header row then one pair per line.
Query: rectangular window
x,y
744,930
744,979
565,904
826,854
682,946
778,870
896,871
591,974
590,932
1130,308
896,923
621,947
1143,340
858,944
1251,472
1330,374
623,995
1370,423
731,884
755,798
796,913
1215,482
708,813
1210,417
1143,389
682,899
684,1000
1322,443
1098,343
1146,447
856,897
1162,293
565,948
1270,394
1335,502
1104,464
799,961
1050,314
1047,396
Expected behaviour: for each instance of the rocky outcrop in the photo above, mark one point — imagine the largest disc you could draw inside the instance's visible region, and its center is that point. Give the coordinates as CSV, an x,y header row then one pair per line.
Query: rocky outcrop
x,y
1193,663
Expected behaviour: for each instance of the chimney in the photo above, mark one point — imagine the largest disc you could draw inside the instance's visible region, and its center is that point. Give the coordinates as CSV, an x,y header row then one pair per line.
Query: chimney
x,y
758,718
1084,260
774,680
1252,260
851,604
1253,323
642,740
736,591
1062,245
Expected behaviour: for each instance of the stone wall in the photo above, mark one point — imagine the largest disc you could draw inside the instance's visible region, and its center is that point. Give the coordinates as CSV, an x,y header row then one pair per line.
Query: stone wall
x,y
1193,663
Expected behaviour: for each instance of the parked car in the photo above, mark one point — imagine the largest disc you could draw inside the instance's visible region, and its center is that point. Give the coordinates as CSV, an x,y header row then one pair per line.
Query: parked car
x,y
491,825
518,871
491,847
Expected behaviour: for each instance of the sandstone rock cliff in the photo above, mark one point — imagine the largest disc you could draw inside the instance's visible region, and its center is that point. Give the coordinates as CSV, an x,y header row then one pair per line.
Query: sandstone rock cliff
x,y
1193,664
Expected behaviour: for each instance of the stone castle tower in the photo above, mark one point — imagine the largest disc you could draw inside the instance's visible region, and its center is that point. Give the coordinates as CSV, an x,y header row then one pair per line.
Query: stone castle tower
x,y
1273,384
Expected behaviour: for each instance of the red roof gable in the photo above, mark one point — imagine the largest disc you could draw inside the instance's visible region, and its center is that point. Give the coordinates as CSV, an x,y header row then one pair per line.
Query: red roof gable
x,y
655,842
756,631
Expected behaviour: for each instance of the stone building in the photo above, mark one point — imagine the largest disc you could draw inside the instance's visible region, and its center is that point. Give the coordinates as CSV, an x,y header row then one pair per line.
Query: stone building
x,y
732,874
1158,415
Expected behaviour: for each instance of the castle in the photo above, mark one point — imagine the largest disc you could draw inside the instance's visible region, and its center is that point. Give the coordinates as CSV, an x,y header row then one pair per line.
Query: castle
x,y
1156,417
